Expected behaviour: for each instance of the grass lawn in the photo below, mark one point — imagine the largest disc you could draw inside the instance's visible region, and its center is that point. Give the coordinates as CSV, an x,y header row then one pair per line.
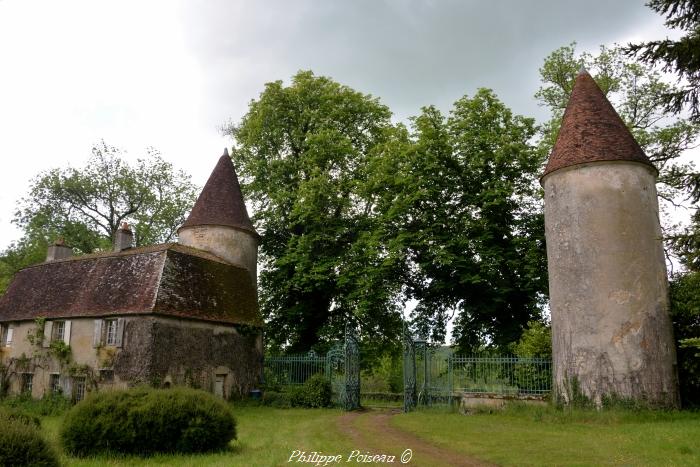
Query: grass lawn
x,y
267,437
548,436
517,436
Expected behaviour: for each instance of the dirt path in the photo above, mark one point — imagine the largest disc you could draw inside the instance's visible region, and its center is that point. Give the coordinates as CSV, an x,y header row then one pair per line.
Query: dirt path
x,y
371,431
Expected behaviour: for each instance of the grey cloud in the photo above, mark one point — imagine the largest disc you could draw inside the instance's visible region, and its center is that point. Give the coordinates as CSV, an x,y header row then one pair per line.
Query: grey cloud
x,y
408,53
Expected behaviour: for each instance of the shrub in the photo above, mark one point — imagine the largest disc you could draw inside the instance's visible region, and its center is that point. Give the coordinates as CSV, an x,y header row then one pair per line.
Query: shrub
x,y
316,392
145,421
21,444
278,400
51,405
12,414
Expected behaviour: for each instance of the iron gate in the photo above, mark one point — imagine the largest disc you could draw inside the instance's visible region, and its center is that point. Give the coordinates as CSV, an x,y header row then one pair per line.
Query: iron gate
x,y
341,366
434,375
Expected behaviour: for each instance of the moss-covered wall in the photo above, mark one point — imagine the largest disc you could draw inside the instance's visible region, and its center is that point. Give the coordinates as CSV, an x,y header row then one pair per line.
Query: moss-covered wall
x,y
160,351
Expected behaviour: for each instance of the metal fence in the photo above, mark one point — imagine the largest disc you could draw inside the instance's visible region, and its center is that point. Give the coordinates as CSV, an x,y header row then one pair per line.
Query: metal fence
x,y
340,366
439,378
292,370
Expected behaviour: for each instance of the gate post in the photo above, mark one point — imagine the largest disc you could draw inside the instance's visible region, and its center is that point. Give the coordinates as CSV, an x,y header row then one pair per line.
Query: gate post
x,y
351,399
409,370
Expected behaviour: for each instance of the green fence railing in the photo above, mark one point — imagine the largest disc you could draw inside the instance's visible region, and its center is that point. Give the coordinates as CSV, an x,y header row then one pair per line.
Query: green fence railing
x,y
441,378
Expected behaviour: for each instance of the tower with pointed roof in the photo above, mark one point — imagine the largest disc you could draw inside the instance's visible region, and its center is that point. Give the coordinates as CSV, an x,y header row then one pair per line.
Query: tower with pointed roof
x,y
219,222
611,330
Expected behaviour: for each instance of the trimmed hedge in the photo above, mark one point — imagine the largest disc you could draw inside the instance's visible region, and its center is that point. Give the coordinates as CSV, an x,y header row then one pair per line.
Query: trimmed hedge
x,y
145,421
21,443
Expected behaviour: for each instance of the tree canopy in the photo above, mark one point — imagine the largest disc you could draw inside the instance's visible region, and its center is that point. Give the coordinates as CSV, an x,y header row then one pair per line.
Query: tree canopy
x,y
359,215
680,57
85,206
302,153
461,204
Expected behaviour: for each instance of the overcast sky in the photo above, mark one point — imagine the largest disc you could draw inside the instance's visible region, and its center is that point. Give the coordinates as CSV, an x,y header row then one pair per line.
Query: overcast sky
x,y
168,74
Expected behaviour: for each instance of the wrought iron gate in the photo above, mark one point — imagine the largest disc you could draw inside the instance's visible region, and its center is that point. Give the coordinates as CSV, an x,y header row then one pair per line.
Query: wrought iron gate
x,y
433,375
341,366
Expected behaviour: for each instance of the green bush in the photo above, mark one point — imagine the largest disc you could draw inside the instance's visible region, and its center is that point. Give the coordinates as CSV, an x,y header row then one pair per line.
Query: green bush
x,y
280,400
21,444
145,421
51,405
10,413
316,392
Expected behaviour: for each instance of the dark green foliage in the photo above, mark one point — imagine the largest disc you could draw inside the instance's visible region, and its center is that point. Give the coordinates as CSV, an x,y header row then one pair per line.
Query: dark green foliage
x,y
52,405
12,414
461,213
315,393
681,56
536,341
302,153
21,444
280,400
146,421
685,314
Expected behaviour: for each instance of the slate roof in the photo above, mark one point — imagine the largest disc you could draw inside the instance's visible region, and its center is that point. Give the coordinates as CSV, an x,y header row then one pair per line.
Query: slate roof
x,y
168,279
221,201
591,130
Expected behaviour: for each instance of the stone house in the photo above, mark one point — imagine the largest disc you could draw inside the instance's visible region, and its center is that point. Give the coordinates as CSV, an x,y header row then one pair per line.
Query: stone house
x,y
173,314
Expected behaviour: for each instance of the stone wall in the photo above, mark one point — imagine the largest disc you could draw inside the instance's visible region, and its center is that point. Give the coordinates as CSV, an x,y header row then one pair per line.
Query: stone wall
x,y
608,288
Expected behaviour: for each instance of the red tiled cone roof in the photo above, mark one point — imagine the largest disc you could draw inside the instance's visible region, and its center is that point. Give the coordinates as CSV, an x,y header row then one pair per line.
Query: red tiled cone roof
x,y
221,201
591,131
168,279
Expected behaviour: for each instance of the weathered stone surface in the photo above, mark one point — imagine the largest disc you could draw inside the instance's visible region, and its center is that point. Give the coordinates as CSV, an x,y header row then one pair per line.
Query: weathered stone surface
x,y
608,288
161,351
238,247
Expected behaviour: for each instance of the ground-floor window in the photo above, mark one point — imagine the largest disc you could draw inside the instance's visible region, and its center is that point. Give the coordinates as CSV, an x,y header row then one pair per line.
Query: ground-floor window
x,y
27,383
78,388
55,383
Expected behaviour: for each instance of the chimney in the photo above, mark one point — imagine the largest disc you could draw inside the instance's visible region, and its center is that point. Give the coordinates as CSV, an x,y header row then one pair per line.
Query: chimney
x,y
124,238
59,250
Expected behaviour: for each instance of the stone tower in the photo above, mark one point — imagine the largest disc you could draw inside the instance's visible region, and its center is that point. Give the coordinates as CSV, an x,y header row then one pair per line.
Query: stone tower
x,y
611,330
219,221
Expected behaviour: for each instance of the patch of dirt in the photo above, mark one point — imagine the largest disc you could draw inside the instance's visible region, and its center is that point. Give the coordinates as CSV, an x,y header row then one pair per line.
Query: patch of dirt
x,y
378,436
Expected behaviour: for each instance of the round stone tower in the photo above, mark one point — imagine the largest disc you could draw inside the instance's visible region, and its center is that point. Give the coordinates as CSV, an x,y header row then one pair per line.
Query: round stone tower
x,y
611,330
219,221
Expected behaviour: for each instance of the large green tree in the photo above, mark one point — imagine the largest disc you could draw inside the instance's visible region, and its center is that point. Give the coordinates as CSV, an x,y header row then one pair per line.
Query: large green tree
x,y
85,206
459,207
680,57
302,152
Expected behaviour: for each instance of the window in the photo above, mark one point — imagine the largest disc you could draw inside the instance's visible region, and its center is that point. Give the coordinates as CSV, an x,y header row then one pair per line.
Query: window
x,y
58,331
108,332
27,383
55,384
6,332
79,388
111,332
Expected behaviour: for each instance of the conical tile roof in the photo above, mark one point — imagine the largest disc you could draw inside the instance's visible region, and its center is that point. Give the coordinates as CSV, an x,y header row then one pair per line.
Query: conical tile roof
x,y
221,201
591,130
